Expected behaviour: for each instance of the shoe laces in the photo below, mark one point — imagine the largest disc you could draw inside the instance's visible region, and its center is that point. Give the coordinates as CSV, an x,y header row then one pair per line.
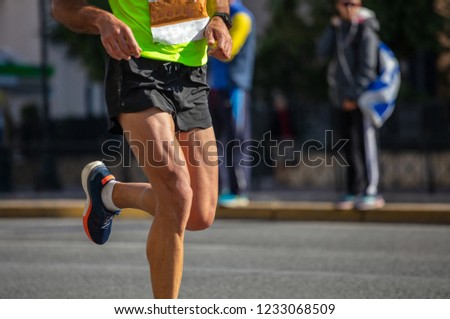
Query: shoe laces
x,y
107,220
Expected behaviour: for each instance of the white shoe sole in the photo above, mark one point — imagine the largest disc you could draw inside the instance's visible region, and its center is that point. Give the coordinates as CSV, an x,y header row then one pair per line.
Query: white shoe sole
x,y
380,203
85,173
241,202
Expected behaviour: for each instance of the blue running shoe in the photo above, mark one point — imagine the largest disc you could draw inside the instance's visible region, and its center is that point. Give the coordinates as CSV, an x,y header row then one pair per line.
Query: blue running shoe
x,y
97,220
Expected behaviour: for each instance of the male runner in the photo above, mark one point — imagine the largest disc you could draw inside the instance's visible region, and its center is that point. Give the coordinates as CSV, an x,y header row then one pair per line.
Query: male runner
x,y
156,94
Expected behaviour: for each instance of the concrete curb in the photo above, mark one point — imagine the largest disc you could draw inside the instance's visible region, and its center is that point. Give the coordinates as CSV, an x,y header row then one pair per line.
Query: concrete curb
x,y
314,211
423,213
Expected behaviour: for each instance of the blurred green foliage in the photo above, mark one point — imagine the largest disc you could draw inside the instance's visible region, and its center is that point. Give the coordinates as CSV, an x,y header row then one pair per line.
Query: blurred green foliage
x,y
408,25
286,57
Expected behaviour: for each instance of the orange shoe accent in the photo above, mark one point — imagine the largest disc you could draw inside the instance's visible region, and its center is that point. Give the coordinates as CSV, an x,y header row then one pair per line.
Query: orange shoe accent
x,y
106,179
85,221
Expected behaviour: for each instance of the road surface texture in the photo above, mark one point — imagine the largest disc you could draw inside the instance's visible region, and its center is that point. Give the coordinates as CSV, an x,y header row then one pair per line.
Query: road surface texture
x,y
52,258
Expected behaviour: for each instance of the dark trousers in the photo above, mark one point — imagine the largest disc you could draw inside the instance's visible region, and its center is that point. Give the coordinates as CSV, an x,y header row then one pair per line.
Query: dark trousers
x,y
361,152
232,126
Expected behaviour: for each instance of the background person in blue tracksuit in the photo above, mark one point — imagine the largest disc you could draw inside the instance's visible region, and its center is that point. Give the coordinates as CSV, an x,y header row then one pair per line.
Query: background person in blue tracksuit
x,y
231,85
352,42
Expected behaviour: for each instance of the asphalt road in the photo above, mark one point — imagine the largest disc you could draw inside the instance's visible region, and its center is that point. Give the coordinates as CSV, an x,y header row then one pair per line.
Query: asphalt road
x,y
51,258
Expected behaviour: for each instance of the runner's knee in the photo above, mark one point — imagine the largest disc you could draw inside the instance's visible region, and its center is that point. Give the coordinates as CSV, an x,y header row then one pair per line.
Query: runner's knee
x,y
202,216
175,200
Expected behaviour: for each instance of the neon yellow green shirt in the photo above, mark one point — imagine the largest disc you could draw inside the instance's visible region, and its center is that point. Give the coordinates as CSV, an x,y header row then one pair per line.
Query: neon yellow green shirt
x,y
136,15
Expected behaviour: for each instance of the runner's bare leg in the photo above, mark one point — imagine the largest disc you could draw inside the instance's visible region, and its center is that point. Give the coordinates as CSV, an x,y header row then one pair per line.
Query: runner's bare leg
x,y
192,161
200,150
135,195
150,134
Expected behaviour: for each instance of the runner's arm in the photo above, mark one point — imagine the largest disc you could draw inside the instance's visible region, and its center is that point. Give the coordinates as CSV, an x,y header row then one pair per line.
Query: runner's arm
x,y
216,33
81,17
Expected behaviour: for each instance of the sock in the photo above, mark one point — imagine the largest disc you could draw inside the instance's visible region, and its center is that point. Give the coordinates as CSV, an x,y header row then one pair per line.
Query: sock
x,y
107,192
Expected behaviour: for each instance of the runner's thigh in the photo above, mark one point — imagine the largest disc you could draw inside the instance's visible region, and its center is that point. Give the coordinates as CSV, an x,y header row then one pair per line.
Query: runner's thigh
x,y
151,136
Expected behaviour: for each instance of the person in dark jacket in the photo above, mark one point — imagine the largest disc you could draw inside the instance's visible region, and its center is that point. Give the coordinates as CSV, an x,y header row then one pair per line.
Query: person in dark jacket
x,y
351,41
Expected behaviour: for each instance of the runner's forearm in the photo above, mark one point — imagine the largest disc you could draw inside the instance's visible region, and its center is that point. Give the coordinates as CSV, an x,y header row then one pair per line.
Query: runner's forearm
x,y
79,16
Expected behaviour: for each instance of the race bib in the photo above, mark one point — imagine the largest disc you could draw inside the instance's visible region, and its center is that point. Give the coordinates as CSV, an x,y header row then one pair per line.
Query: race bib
x,y
178,21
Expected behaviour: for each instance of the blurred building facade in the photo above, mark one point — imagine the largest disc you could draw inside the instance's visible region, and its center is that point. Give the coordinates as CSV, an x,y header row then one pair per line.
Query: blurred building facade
x,y
72,92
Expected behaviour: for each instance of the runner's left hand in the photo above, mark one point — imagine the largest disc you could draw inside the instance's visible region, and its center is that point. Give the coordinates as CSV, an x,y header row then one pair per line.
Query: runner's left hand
x,y
219,39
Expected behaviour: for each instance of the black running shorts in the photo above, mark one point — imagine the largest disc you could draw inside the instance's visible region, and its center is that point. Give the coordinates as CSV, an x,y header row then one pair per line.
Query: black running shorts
x,y
138,84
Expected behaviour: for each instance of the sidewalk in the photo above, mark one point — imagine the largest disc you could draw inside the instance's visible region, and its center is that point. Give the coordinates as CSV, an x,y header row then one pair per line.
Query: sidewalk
x,y
265,205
